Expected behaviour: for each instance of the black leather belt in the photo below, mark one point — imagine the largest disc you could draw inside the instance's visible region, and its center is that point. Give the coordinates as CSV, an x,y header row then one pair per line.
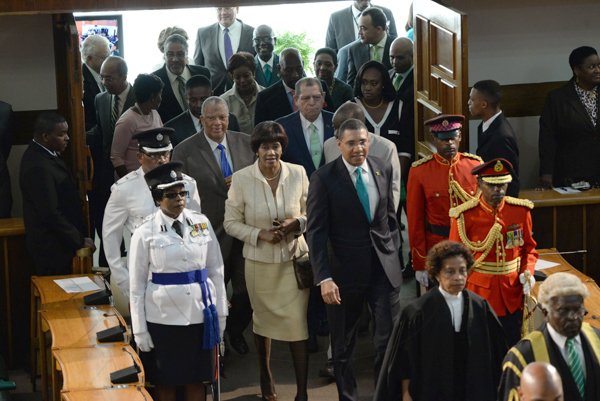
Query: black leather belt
x,y
442,231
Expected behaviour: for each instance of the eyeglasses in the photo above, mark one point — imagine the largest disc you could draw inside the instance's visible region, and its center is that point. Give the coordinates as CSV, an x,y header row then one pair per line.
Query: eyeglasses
x,y
175,195
158,155
265,39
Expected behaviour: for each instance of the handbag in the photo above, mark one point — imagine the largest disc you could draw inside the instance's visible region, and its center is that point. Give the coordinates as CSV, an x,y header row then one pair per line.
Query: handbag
x,y
303,271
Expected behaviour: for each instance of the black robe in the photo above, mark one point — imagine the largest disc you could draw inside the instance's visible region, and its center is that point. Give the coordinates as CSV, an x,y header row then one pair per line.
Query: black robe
x,y
421,349
510,380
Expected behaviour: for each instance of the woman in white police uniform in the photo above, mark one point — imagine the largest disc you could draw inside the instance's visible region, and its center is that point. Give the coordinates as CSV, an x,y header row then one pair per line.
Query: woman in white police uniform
x,y
178,300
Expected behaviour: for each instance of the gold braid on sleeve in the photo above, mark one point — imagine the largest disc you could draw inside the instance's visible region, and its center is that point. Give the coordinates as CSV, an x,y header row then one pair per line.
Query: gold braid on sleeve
x,y
485,246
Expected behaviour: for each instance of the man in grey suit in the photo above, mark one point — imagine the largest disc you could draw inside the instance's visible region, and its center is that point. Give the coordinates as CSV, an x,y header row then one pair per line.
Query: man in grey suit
x,y
343,24
216,43
374,43
109,106
353,237
174,74
210,157
267,62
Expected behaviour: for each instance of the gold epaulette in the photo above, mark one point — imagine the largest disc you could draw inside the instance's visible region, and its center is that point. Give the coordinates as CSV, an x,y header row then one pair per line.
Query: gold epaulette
x,y
472,156
460,209
519,202
422,160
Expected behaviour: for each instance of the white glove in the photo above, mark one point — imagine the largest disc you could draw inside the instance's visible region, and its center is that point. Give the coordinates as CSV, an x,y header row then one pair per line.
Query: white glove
x,y
527,286
222,324
144,341
422,277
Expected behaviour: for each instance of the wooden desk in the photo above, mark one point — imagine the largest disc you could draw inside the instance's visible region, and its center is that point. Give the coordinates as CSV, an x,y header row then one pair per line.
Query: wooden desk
x,y
75,326
568,223
9,229
90,368
108,394
592,302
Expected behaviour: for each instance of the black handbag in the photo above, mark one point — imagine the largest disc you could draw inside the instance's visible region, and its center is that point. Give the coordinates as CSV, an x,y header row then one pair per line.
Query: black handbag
x,y
303,271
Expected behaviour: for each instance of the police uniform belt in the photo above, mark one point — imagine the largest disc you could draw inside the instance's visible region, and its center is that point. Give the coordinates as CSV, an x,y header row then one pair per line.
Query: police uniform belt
x,y
442,231
498,268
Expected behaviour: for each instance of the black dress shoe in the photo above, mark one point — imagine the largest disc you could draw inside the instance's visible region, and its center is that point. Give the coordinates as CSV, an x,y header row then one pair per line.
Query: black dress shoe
x,y
327,371
239,344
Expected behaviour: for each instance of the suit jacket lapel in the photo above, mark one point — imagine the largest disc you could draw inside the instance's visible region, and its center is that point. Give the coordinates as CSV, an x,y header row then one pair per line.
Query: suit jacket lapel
x,y
215,43
580,109
298,137
189,123
208,155
380,181
346,182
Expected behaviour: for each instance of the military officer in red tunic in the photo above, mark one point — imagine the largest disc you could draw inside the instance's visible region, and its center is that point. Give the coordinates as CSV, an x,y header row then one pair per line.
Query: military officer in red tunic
x,y
435,184
497,229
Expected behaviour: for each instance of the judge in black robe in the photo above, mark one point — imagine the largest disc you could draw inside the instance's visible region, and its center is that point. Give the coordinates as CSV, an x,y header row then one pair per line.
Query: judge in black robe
x,y
440,363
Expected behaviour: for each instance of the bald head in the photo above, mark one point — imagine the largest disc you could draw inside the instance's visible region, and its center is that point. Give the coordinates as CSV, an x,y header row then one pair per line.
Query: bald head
x,y
345,112
401,54
114,74
540,381
291,66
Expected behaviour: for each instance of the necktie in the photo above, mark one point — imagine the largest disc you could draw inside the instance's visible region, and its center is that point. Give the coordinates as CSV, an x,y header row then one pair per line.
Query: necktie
x,y
315,145
575,366
376,53
114,116
225,167
181,89
363,195
177,226
227,44
267,71
291,95
397,81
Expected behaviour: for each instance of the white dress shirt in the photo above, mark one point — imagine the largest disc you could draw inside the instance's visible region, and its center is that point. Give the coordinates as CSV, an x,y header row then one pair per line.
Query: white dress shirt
x,y
320,128
368,179
217,152
235,33
456,306
561,343
486,124
186,74
270,63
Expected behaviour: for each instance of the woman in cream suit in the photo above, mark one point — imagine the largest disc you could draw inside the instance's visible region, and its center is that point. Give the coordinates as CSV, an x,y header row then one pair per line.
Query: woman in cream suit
x,y
266,209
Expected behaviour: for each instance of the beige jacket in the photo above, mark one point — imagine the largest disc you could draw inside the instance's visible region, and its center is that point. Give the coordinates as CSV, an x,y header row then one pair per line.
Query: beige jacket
x,y
251,207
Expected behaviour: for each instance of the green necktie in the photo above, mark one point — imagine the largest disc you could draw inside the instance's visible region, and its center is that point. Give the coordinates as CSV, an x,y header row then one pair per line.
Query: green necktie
x,y
267,73
397,81
376,54
363,195
315,145
181,83
575,366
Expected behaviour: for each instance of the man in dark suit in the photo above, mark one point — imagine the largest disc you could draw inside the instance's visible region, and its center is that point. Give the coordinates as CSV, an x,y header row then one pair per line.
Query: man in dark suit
x,y
174,74
353,237
495,136
216,43
267,62
210,157
109,106
51,205
278,100
94,50
569,139
374,43
6,134
343,24
197,90
308,128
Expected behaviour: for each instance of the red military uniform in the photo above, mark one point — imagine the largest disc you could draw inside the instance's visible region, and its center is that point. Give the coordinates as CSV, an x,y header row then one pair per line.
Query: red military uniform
x,y
503,247
434,186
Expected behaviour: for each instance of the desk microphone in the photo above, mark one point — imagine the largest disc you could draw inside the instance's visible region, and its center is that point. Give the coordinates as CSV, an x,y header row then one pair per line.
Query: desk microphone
x,y
127,375
102,297
112,334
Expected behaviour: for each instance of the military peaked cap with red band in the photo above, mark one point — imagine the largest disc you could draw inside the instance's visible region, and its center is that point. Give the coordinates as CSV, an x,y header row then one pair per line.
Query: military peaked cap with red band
x,y
495,171
445,126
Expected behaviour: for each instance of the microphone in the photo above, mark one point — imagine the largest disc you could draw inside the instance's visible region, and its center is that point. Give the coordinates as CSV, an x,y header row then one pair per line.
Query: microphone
x,y
126,375
112,334
102,297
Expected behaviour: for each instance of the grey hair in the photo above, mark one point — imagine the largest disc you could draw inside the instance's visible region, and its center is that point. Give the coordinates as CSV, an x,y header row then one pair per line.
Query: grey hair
x,y
213,101
92,44
176,38
307,81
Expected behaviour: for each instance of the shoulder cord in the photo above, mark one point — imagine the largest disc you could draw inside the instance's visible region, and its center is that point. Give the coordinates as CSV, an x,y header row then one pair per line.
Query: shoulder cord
x,y
494,237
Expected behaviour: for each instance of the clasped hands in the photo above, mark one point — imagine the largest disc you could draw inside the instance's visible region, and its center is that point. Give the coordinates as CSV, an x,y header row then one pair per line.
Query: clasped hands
x,y
279,231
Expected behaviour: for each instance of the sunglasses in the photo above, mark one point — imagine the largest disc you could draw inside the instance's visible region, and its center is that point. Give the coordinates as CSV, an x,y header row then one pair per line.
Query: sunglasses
x,y
174,195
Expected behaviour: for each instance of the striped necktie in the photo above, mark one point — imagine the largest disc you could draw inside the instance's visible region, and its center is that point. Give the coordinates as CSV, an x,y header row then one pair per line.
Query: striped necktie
x,y
361,190
114,115
575,366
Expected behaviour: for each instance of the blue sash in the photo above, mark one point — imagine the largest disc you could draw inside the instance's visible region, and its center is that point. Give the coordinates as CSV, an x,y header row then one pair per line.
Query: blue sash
x,y
211,317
